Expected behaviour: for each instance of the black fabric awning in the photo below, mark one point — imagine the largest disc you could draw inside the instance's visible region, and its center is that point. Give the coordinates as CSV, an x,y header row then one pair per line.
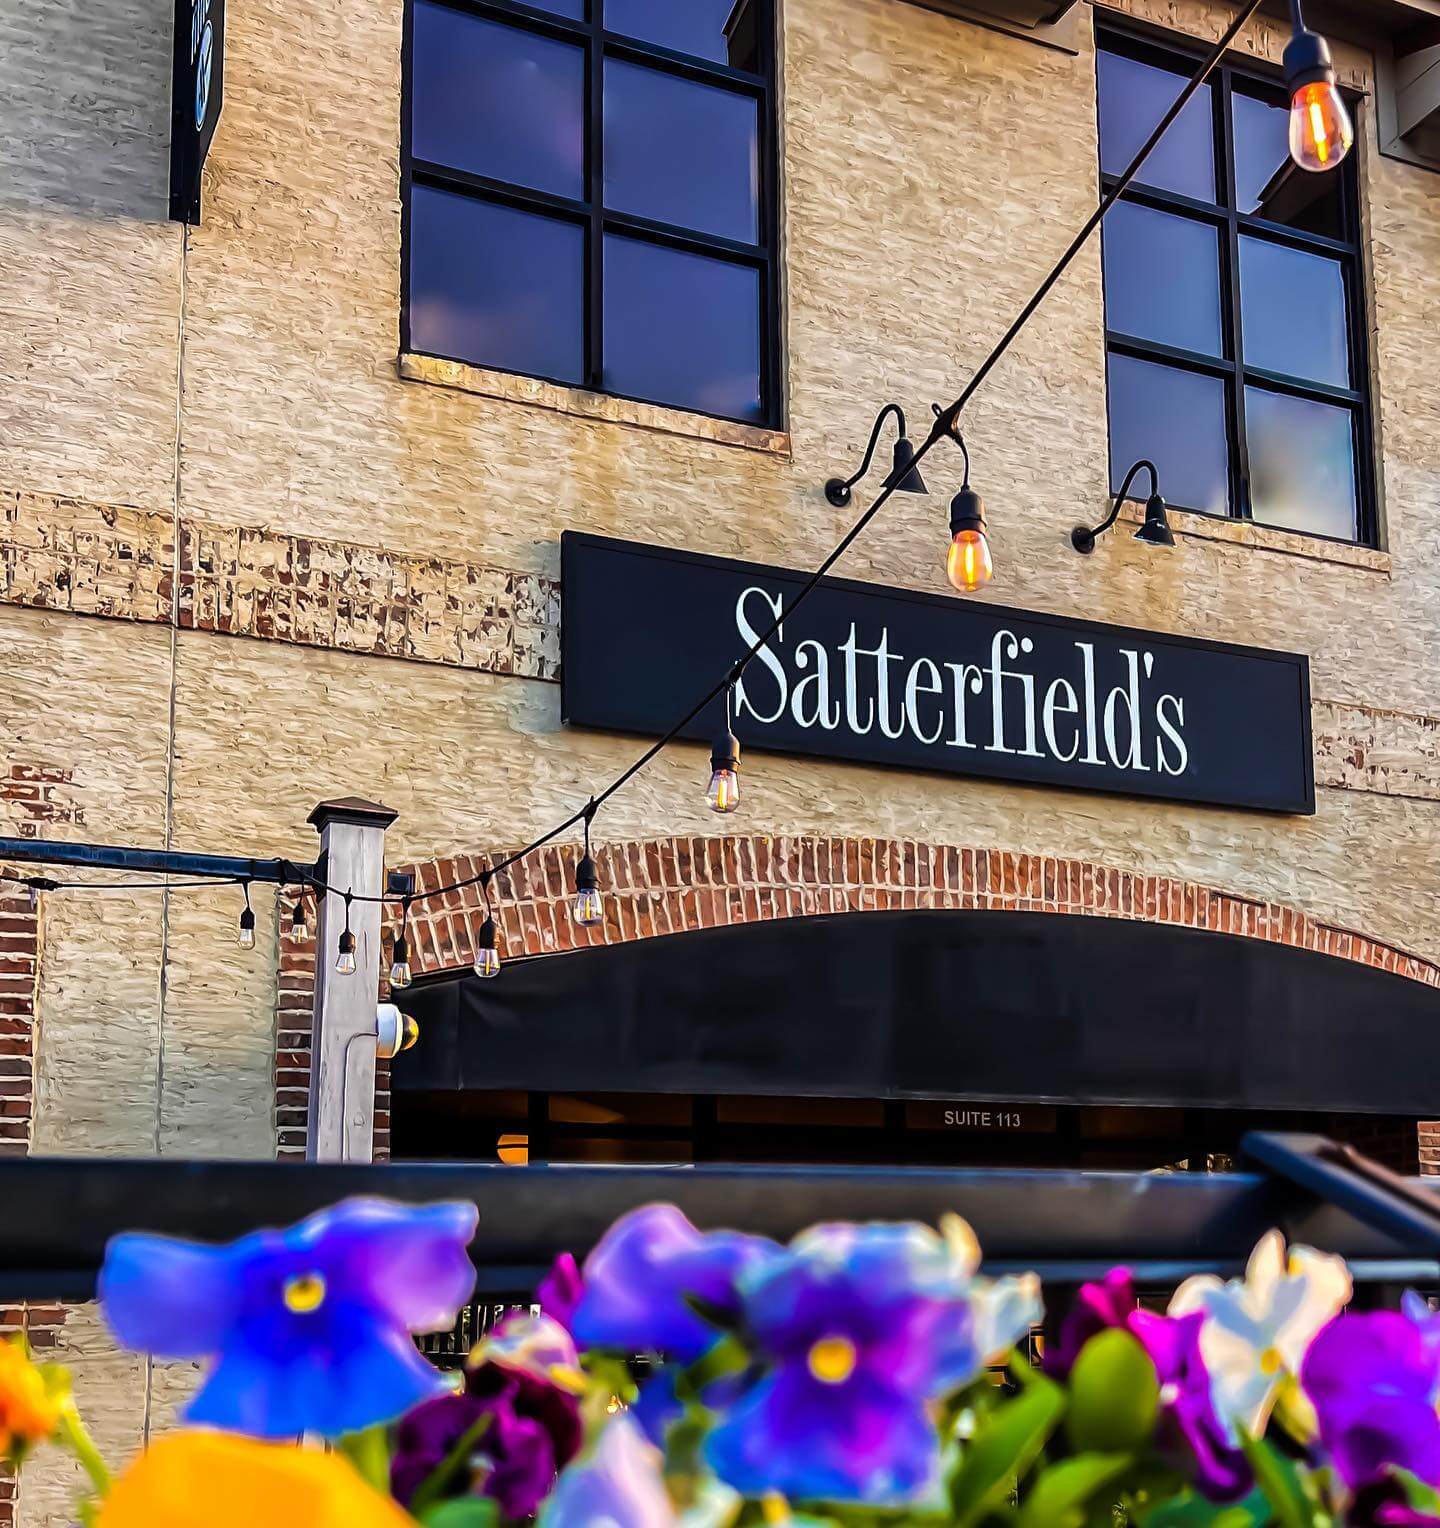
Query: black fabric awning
x,y
1026,1007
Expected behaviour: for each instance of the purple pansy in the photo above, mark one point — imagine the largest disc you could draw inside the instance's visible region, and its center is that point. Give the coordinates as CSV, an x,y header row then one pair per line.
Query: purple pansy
x,y
619,1485
531,1431
559,1291
640,1273
1189,1425
1373,1380
861,1327
310,1328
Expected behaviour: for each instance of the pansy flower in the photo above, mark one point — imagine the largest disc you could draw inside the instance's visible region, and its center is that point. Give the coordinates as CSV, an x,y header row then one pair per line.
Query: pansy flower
x,y
210,1480
1373,1381
644,1272
1255,1330
309,1329
618,1484
860,1328
558,1293
30,1401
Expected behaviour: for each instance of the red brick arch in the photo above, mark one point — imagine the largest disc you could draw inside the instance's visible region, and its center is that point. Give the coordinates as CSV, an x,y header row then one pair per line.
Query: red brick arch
x,y
671,885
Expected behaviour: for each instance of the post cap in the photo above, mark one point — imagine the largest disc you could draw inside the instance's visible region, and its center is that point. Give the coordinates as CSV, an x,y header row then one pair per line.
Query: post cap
x,y
352,809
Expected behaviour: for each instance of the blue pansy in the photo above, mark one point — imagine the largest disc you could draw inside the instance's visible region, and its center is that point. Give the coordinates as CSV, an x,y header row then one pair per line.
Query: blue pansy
x,y
309,1329
861,1327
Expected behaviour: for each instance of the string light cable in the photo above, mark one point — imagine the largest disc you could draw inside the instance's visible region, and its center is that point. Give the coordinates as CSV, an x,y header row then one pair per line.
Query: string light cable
x,y
588,905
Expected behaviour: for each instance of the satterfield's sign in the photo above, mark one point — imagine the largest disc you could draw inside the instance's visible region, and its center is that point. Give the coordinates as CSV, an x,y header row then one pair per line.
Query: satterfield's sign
x,y
197,90
935,682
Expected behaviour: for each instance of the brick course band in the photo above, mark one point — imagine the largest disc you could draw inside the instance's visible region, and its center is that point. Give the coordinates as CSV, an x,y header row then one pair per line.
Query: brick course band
x,y
672,885
118,562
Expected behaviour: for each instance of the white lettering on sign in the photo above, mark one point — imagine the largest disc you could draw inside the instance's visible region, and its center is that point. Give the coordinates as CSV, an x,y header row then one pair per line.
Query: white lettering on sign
x,y
983,1119
863,685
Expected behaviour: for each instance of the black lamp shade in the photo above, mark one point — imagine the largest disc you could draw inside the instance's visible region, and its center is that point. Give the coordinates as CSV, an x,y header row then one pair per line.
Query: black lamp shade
x,y
905,475
1156,529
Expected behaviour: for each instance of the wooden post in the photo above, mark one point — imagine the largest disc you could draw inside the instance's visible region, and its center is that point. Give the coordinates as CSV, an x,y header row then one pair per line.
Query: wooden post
x,y
341,1121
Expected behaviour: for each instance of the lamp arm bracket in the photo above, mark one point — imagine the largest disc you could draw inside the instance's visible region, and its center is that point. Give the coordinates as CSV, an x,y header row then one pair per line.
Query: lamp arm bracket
x,y
1084,538
890,408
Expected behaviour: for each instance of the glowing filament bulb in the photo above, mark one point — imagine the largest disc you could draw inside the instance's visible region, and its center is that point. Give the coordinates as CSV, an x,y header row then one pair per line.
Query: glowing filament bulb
x,y
1321,132
969,565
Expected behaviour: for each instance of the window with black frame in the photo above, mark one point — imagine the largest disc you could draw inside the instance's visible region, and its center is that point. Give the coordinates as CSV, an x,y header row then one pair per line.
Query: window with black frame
x,y
1234,303
589,196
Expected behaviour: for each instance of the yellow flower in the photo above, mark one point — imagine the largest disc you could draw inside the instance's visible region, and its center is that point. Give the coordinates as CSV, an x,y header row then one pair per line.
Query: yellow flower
x,y
29,1404
216,1480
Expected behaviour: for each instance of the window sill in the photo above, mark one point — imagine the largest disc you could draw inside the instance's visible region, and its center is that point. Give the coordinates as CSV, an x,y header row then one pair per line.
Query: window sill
x,y
600,407
1266,538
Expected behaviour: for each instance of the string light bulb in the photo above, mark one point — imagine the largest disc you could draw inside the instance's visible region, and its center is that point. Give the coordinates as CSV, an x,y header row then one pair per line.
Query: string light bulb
x,y
968,565
345,951
247,922
299,928
1321,131
487,957
724,793
589,909
400,974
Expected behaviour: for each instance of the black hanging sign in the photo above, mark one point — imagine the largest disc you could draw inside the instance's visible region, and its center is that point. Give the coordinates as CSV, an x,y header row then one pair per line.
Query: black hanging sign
x,y
934,682
196,95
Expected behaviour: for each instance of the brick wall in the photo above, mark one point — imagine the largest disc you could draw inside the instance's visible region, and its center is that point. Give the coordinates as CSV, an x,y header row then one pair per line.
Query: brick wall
x,y
19,965
670,885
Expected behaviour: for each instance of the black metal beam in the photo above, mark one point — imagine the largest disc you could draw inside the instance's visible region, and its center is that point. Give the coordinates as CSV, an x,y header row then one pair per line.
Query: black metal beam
x,y
1069,1226
220,867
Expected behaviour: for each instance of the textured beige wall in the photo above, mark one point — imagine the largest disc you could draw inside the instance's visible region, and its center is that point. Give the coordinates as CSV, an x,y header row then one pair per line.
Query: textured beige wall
x,y
932,171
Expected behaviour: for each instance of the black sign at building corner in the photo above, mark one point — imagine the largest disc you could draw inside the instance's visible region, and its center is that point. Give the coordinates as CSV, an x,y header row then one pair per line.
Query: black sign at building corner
x,y
196,95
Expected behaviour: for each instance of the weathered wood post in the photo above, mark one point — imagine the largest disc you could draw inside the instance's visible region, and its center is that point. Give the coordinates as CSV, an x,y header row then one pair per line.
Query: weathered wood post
x,y
341,1120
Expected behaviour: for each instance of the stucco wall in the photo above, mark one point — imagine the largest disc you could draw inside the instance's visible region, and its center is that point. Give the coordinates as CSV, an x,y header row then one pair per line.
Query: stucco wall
x,y
162,392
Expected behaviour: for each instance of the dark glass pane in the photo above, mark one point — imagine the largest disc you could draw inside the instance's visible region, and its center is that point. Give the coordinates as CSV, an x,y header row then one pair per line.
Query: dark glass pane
x,y
1133,98
688,26
1292,304
498,101
1302,464
1269,183
681,152
574,9
1176,419
682,329
495,286
1162,278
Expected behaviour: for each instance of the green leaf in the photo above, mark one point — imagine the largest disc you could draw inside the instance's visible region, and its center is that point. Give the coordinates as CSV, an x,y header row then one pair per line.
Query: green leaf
x,y
438,1481
1193,1511
1114,1395
465,1512
1004,1449
1286,1488
1418,1495
369,1452
1060,1496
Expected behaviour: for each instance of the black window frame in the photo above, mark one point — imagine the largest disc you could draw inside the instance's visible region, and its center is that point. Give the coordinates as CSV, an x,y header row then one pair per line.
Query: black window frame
x,y
1171,54
600,45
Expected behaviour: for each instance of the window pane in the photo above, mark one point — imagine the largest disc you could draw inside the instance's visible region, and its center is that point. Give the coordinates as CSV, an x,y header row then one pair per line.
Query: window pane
x,y
1269,183
495,286
1177,420
574,9
680,152
682,329
1162,278
1302,464
688,26
1292,304
498,101
1133,98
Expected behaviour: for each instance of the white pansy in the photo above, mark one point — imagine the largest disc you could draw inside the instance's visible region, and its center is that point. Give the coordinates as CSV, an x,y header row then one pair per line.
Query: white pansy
x,y
1257,1329
1003,1311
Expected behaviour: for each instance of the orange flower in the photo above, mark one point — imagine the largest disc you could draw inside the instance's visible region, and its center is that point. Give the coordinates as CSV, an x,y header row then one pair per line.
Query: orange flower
x,y
217,1480
29,1403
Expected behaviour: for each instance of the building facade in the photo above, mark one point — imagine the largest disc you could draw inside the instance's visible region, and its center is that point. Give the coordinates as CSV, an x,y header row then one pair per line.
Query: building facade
x,y
284,490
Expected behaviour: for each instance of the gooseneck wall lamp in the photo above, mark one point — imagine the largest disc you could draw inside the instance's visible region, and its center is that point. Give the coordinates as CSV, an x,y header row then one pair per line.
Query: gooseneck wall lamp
x,y
1154,532
1321,132
904,474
